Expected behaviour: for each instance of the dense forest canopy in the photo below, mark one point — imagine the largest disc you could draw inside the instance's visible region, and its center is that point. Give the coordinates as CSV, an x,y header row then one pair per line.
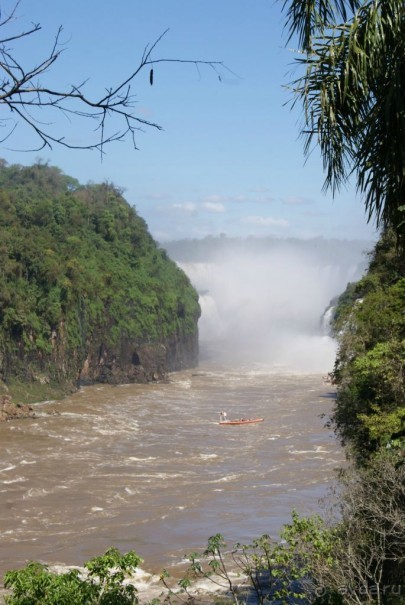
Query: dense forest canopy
x,y
77,261
370,366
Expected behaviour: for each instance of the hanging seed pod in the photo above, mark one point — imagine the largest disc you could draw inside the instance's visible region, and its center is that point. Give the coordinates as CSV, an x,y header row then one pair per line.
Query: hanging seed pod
x,y
151,77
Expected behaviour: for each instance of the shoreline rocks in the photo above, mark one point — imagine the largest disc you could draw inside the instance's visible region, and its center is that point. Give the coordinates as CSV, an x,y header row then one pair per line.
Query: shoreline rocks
x,y
14,411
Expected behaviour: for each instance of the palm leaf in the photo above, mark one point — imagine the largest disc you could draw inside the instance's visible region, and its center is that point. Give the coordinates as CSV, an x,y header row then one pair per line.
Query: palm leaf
x,y
352,95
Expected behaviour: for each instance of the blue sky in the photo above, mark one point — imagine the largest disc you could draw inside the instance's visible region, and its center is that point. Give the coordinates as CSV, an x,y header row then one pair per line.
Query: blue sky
x,y
228,159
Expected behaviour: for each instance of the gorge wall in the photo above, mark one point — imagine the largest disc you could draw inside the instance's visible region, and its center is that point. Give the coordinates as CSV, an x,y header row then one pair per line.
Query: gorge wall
x,y
86,294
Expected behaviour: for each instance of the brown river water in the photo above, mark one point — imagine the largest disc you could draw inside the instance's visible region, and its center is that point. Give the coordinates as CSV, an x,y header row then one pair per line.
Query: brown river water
x,y
147,467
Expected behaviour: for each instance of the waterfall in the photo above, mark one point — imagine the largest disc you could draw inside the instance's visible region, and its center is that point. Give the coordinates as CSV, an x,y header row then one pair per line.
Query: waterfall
x,y
326,319
270,307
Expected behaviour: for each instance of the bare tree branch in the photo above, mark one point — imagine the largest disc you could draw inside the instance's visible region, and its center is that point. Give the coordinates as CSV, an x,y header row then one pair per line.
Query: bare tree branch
x,y
24,94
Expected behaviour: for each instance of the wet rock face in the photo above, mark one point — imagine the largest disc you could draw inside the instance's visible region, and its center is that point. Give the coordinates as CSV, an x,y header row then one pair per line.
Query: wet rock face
x,y
182,352
94,361
125,363
128,363
131,362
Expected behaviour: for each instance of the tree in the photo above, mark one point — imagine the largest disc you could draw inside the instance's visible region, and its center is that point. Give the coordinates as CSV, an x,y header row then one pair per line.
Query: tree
x,y
25,96
367,561
103,582
352,93
369,371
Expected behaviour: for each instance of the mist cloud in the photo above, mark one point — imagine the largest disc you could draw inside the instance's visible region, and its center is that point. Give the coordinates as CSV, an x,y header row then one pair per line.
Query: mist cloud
x,y
265,221
268,307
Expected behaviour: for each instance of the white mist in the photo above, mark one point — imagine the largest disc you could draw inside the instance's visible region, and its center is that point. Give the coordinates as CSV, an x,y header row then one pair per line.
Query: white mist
x,y
268,307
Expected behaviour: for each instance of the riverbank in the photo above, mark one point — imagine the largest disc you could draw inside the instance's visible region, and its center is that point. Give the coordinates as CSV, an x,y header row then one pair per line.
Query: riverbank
x,y
14,411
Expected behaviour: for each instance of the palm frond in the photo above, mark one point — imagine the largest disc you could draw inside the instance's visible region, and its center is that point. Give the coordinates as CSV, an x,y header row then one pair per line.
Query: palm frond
x,y
309,18
353,100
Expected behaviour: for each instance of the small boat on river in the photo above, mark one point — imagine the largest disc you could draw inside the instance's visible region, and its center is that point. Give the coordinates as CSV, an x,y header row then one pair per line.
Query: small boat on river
x,y
223,420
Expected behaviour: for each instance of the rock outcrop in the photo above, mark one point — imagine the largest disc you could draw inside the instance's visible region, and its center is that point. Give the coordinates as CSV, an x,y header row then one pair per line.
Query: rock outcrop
x,y
142,363
14,411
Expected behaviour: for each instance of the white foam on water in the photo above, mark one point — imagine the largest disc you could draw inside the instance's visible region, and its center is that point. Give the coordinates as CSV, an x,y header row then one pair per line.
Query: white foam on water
x,y
116,496
152,476
317,450
16,480
78,415
8,468
184,384
216,584
112,427
271,469
60,568
227,478
148,586
131,492
35,492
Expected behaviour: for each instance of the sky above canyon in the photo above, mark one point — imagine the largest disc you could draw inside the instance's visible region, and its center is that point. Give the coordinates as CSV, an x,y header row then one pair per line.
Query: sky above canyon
x,y
228,158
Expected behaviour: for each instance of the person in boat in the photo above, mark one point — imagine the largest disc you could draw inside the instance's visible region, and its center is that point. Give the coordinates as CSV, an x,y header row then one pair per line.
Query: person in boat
x,y
222,417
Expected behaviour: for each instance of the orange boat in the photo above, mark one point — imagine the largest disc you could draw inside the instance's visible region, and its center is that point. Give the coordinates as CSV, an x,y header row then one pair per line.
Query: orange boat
x,y
240,421
224,421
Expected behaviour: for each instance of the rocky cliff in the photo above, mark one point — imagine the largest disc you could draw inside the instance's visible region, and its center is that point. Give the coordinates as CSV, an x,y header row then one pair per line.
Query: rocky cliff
x,y
86,295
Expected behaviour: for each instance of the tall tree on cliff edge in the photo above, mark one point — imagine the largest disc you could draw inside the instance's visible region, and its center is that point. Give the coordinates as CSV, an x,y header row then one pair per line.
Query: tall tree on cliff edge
x,y
352,93
25,97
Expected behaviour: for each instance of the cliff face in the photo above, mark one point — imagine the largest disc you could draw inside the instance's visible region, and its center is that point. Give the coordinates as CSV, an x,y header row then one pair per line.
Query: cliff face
x,y
131,362
64,369
86,295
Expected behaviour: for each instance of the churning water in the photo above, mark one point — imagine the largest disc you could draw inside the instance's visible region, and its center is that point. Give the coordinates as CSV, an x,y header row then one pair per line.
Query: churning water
x,y
147,467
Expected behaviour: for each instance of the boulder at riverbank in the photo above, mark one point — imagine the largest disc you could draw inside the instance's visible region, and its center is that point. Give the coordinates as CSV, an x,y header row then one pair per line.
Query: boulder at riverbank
x,y
14,411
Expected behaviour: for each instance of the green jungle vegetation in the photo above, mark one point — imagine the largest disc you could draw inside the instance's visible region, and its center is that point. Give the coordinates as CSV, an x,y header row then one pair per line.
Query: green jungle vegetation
x,y
77,261
369,324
